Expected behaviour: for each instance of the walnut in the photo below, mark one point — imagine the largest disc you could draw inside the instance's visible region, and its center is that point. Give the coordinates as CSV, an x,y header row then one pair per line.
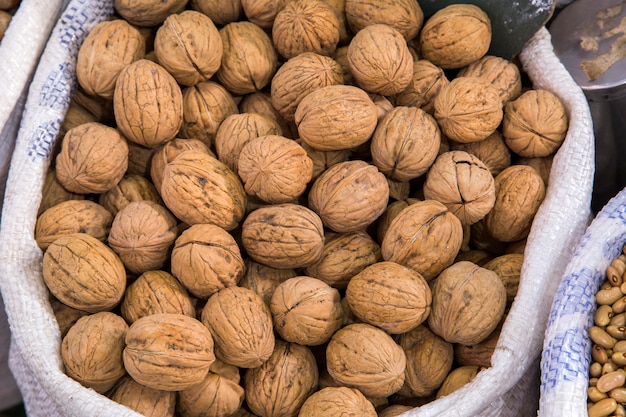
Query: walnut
x,y
261,103
262,12
93,159
280,386
155,292
205,106
241,325
429,359
274,169
72,216
333,193
264,279
426,83
221,12
189,47
5,20
379,60
520,190
405,143
468,303
53,193
169,352
65,315
217,395
84,273
139,159
142,234
405,16
457,378
131,188
237,130
144,400
100,107
148,104
463,183
305,26
167,152
509,268
205,259
322,160
502,73
399,190
341,57
283,236
542,164
456,36
298,77
249,60
424,236
108,48
95,362
478,354
323,114
390,296
492,151
336,402
306,310
478,256
390,213
344,255
362,356
481,239
468,109
535,124
394,410
339,7
198,188
147,13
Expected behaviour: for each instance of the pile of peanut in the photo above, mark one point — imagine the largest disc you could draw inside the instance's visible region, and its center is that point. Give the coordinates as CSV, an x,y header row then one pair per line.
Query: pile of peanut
x,y
290,207
607,375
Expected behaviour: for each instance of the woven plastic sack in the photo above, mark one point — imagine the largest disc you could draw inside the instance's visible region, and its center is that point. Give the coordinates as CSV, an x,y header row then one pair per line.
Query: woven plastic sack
x,y
567,348
506,389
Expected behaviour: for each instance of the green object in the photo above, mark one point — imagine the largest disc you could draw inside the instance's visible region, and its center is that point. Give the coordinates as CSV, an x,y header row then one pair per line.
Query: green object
x,y
513,22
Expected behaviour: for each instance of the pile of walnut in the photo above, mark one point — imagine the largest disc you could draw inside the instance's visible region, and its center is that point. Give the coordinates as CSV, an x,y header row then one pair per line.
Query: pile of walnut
x,y
607,373
282,208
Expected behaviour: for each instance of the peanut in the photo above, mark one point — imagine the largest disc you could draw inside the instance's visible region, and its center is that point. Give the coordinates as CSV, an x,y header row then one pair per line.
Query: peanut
x,y
611,380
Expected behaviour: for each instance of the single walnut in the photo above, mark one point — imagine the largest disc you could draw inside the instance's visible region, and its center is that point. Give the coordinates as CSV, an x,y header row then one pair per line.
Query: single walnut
x,y
362,356
167,152
298,77
262,12
84,273
344,255
280,386
306,310
426,83
542,164
399,190
333,193
390,296
341,57
405,143
95,362
216,396
142,234
405,16
261,103
274,169
305,26
72,216
249,60
65,315
478,354
198,188
155,292
520,190
456,36
221,12
148,104
53,193
394,410
189,47
108,48
241,325
478,256
390,213
239,129
205,106
424,236
468,109
169,352
147,13
509,268
337,402
502,73
130,188
93,159
468,303
429,359
535,124
323,114
457,378
144,400
322,160
263,279
339,7
205,259
463,183
492,151
379,60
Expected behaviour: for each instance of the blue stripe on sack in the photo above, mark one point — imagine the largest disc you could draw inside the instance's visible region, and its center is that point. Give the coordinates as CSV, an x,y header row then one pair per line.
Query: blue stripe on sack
x,y
575,294
566,358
